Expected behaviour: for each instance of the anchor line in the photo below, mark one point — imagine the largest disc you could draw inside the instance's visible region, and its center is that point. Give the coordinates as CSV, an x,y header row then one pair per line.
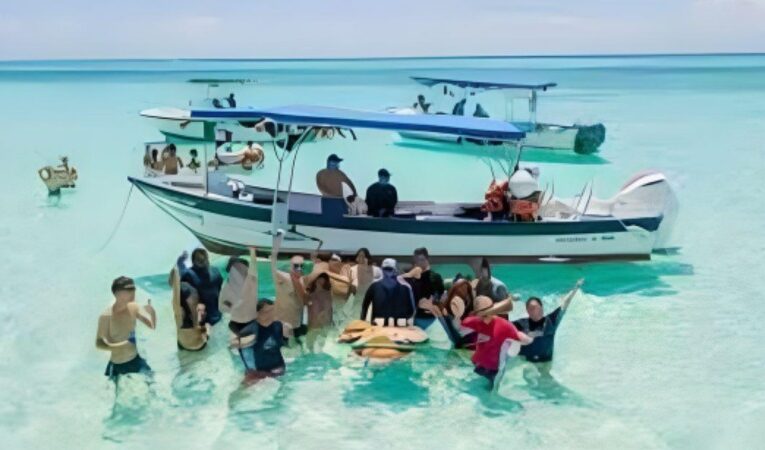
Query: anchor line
x,y
119,221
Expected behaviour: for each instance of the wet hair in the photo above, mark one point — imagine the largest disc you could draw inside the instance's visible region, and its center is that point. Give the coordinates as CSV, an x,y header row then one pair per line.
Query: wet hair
x,y
196,252
193,152
170,148
262,302
534,299
485,265
366,253
249,143
315,283
235,259
421,251
463,290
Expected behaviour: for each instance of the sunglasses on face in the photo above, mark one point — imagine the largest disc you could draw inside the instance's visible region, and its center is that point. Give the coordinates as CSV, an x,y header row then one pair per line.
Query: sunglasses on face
x,y
388,269
297,266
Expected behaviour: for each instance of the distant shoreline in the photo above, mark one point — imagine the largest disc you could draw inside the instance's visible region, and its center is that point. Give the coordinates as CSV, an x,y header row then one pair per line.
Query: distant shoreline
x,y
392,58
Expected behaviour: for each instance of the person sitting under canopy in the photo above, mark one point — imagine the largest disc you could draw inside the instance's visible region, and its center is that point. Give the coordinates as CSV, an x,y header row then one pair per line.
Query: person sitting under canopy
x,y
382,196
420,105
330,180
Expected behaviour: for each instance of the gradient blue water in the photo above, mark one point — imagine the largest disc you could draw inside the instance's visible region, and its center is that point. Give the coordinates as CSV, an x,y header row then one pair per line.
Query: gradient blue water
x,y
659,354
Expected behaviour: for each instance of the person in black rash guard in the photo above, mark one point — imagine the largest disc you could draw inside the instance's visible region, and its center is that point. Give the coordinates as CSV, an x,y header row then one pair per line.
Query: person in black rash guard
x,y
206,280
264,358
381,196
542,327
388,298
427,286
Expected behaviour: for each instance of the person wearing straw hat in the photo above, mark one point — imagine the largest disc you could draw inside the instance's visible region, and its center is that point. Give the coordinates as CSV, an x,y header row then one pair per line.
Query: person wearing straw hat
x,y
492,332
543,327
116,330
389,301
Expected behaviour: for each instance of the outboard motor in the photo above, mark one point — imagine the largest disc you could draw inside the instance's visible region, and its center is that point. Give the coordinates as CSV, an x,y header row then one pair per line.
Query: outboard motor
x,y
589,138
648,194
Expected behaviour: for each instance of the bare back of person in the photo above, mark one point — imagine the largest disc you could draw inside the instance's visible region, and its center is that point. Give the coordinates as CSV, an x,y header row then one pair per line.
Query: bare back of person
x,y
118,326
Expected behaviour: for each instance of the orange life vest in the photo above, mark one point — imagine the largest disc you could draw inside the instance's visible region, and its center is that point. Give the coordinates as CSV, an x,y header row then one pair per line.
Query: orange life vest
x,y
496,197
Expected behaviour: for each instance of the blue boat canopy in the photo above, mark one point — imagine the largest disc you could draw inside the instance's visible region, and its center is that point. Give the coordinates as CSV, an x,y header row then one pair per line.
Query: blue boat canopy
x,y
482,84
322,116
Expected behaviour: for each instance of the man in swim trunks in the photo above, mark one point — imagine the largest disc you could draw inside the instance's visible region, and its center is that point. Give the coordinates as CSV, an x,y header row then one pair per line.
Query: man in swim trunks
x,y
492,331
427,286
543,327
239,295
189,314
206,280
390,302
116,330
264,358
290,290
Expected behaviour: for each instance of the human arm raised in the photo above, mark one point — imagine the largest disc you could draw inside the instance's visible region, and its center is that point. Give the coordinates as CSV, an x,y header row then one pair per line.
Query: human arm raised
x,y
567,299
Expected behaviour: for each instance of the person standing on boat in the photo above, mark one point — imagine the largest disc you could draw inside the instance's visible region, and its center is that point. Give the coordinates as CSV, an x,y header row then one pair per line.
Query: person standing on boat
x,y
491,287
330,180
427,286
116,330
172,162
382,196
231,101
543,327
206,280
291,293
388,301
492,333
363,274
188,311
420,105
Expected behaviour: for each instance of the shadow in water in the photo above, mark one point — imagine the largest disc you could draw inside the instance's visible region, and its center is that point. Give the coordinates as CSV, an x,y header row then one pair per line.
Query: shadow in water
x,y
529,154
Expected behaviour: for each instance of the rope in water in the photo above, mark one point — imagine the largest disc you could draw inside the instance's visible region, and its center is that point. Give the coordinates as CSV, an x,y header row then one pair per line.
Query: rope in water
x,y
119,221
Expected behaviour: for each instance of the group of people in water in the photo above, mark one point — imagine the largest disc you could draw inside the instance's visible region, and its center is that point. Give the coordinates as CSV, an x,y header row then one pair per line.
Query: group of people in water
x,y
310,305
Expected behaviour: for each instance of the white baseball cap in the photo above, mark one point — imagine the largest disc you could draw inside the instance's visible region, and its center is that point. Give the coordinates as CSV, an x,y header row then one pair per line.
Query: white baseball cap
x,y
389,262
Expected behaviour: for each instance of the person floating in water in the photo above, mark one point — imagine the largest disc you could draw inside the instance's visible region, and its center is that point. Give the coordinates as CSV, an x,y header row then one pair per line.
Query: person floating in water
x,y
116,330
543,327
427,286
388,299
189,312
207,281
381,196
492,333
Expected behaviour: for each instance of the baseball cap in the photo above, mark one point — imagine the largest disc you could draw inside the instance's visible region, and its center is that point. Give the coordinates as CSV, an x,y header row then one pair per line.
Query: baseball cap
x,y
383,173
389,263
334,158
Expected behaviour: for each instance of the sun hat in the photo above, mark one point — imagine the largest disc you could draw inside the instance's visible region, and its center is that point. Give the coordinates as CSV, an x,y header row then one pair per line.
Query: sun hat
x,y
405,335
357,325
484,306
380,341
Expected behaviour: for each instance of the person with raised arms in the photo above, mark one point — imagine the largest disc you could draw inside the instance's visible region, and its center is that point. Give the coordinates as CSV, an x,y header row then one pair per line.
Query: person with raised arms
x,y
389,302
191,331
206,280
116,330
239,298
492,333
543,327
291,294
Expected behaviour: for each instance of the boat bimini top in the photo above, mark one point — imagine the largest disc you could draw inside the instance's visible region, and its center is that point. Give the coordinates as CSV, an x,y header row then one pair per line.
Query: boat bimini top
x,y
482,84
323,116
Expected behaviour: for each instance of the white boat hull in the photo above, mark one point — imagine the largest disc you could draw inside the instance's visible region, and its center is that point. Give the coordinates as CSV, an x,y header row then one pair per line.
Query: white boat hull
x,y
224,233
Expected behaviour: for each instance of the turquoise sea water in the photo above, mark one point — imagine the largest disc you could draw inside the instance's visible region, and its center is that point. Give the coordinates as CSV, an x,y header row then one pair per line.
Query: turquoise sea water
x,y
662,354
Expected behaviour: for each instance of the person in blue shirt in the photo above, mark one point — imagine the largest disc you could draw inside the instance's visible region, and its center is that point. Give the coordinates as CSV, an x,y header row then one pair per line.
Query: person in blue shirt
x,y
206,280
264,358
542,327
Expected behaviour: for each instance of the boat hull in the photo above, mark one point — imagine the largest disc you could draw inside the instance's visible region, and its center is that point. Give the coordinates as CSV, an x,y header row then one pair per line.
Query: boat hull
x,y
228,226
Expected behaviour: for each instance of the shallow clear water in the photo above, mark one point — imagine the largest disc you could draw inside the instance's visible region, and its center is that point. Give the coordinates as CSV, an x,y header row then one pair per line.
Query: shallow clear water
x,y
660,354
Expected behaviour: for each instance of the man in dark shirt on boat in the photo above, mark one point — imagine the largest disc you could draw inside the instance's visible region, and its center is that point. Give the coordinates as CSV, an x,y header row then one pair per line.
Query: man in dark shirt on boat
x,y
207,281
427,286
542,327
381,196
388,298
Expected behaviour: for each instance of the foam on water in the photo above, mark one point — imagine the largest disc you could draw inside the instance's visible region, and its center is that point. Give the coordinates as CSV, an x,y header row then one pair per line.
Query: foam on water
x,y
659,354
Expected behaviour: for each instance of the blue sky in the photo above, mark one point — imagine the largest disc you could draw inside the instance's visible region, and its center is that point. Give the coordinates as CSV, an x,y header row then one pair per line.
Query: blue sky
x,y
39,29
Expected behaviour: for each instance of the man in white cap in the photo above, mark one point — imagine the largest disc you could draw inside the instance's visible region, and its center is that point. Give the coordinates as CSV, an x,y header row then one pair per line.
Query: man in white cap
x,y
387,301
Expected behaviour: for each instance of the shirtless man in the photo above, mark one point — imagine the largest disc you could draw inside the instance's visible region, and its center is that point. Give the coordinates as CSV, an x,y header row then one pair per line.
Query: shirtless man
x,y
290,289
116,330
172,162
330,180
363,274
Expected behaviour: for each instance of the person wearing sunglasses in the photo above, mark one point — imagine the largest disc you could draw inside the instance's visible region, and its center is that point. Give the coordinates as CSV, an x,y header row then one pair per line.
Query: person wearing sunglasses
x,y
291,294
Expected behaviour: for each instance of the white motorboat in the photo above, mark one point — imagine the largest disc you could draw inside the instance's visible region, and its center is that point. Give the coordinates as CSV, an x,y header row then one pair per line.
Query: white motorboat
x,y
227,215
582,139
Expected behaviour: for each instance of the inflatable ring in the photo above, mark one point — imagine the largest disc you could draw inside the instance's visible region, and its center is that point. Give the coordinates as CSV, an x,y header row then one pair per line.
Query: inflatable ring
x,y
45,173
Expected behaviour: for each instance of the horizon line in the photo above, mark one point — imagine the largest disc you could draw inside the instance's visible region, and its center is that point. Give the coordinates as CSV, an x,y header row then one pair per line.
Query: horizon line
x,y
389,58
